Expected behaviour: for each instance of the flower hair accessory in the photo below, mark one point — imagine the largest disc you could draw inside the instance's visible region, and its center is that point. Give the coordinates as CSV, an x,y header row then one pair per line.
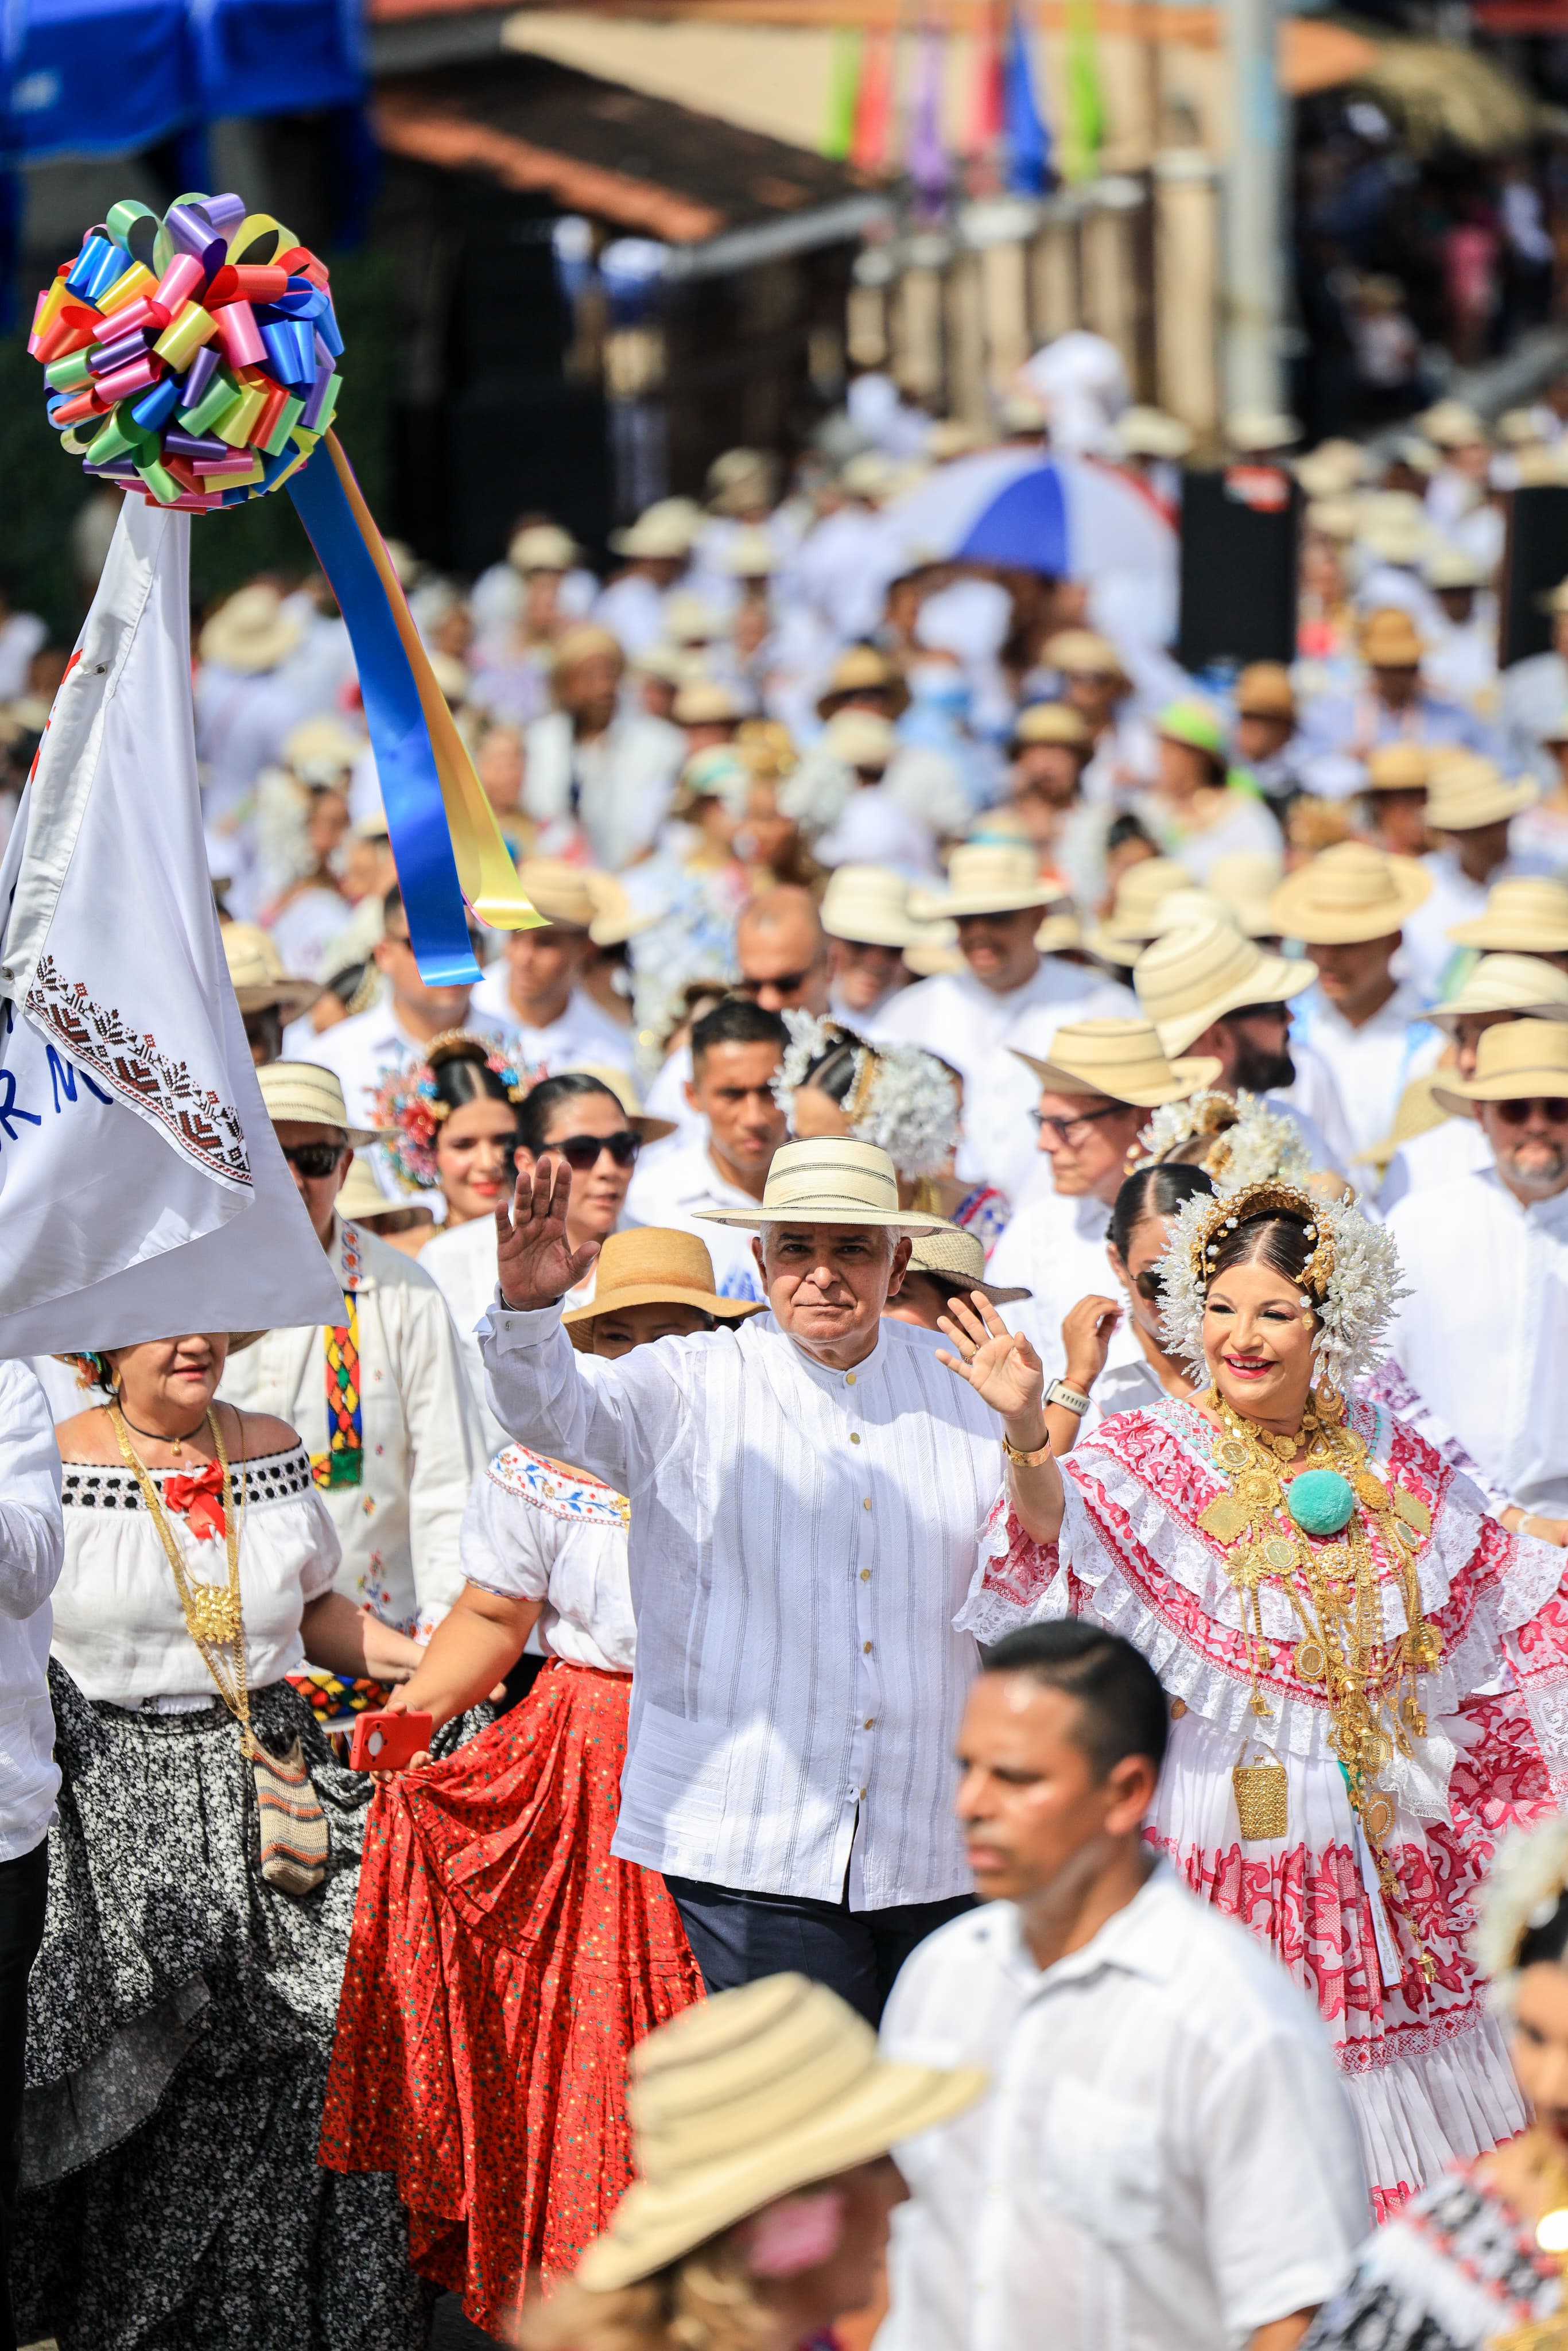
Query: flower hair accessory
x,y
1521,1891
902,1099
1252,1144
1351,1279
410,1110
795,2234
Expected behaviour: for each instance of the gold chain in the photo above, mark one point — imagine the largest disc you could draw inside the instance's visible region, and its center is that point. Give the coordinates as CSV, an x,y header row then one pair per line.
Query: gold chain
x,y
213,1615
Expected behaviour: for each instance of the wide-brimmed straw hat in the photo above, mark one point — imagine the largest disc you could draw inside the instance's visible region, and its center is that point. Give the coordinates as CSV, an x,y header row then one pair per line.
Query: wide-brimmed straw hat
x,y
1135,917
306,1094
251,632
1525,915
1244,882
1123,1060
861,739
1468,790
361,1196
1052,722
863,670
1390,639
986,877
1352,891
1083,653
624,1087
1505,983
953,1255
1516,1061
745,2096
1264,690
1142,431
319,749
1399,767
615,918
1415,1112
667,530
559,892
869,905
650,1266
256,968
542,547
827,1182
1188,979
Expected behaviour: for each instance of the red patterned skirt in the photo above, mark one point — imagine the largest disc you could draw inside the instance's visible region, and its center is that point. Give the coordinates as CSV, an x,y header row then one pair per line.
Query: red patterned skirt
x,y
502,1966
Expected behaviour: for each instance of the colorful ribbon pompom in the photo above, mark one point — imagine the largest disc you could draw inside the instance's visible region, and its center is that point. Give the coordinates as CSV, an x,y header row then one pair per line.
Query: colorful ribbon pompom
x,y
195,358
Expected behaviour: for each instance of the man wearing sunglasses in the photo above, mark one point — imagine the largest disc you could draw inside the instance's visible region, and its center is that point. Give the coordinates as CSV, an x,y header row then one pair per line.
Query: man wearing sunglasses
x,y
381,1398
1482,1328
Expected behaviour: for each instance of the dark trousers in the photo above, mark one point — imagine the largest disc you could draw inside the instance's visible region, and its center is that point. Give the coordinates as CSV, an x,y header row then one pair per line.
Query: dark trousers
x,y
24,1892
735,1937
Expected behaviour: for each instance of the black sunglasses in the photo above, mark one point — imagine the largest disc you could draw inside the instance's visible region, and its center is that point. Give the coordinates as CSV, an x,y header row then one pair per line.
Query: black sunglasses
x,y
315,1159
787,983
1554,1110
1148,1285
581,1151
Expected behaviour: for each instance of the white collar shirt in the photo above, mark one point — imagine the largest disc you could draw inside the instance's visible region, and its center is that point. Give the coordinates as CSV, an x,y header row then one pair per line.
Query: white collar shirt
x,y
1372,1064
584,1033
1457,1147
617,788
1483,1333
1165,2160
800,1539
32,1549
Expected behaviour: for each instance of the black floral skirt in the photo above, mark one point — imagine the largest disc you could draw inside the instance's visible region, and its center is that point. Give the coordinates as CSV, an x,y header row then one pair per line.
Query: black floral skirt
x,y
180,2023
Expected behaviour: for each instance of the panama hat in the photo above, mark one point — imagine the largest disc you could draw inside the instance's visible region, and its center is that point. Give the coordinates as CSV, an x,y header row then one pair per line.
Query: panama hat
x,y
305,1093
1264,690
542,547
739,479
251,632
1452,424
1554,600
1517,1060
1349,892
1123,1060
1505,983
1134,919
586,640
745,2096
1251,431
827,1183
615,919
1390,639
1141,431
621,1084
986,877
1398,768
1525,915
719,773
750,555
1184,908
1188,979
1052,722
1468,791
935,956
1332,468
652,1267
665,531
863,670
361,1196
255,969
1415,1112
861,739
319,749
1083,653
1338,519
1454,567
953,1255
1061,933
1244,882
869,904
559,892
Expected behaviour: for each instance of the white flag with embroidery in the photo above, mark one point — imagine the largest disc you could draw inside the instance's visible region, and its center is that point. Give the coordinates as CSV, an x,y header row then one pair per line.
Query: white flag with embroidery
x,y
142,1192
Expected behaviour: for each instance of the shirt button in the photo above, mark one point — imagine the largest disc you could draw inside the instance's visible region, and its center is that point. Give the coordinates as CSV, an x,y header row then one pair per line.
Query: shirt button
x,y
854,1437
865,1576
849,1379
862,1791
866,1504
871,1722
865,1649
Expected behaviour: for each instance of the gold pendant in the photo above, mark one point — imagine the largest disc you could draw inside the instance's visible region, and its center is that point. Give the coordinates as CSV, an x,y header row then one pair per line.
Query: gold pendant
x,y
1371,1491
1226,1517
1259,1790
1424,1645
212,1614
1311,1660
1413,1511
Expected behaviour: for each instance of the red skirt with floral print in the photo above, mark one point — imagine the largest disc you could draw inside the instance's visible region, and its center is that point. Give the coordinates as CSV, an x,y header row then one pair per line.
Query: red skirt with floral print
x,y
503,1965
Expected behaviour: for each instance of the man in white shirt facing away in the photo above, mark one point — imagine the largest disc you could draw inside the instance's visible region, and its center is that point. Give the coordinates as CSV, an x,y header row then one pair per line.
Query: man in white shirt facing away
x,y
1348,907
737,1051
32,1551
1166,2160
806,1495
1500,987
532,993
363,1052
1482,1330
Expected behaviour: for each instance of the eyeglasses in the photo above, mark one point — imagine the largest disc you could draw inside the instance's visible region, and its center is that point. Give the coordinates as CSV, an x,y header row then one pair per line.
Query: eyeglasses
x,y
1554,1110
1148,1285
581,1151
315,1160
1068,1130
786,983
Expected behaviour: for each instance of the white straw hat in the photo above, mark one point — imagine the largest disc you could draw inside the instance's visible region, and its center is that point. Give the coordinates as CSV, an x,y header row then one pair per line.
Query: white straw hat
x,y
303,1092
667,530
745,2096
949,1253
621,1084
1134,919
827,1183
252,632
1517,1060
1506,983
1525,915
1467,790
562,894
1123,1059
615,919
256,969
869,904
861,739
1351,892
984,877
1245,881
362,1197
1188,979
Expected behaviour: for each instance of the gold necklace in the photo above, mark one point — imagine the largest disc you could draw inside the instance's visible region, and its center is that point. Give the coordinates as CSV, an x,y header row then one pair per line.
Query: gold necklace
x,y
1551,2235
212,1613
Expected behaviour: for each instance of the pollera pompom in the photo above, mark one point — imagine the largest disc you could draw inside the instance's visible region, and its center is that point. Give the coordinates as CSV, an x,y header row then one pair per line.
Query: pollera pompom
x,y
1320,1502
193,359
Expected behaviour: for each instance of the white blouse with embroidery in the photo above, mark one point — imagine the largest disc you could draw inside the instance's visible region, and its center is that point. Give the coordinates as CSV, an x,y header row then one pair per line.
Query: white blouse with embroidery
x,y
120,1631
537,1531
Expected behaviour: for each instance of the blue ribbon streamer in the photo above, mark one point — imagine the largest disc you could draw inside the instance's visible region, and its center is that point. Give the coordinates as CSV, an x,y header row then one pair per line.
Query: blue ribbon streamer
x,y
405,763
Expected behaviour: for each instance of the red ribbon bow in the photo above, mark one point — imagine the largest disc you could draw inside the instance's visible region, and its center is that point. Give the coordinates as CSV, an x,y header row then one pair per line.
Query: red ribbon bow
x,y
200,1499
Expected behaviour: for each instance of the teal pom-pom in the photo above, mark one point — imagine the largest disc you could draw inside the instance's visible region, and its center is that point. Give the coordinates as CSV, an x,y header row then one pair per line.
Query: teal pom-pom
x,y
1320,1502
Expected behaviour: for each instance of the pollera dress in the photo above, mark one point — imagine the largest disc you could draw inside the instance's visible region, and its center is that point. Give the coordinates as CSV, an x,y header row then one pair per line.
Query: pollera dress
x,y
1377,1935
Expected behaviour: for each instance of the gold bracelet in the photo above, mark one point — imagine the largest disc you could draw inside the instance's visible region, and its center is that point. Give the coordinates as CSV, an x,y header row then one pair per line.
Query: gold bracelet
x,y
1026,1460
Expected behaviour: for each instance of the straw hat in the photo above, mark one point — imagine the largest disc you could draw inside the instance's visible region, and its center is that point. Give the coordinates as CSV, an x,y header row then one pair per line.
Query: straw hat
x,y
952,1254
361,1196
1415,1112
1517,1060
542,547
1083,653
1196,724
691,619
303,1092
1134,919
1505,983
652,1267
935,956
624,1087
1123,1059
256,968
559,892
1332,468
1398,768
1526,916
1244,882
745,2096
984,877
251,632
1394,527
871,474
1338,519
1468,791
1454,567
1052,722
1555,598
1252,431
1349,892
615,919
1264,690
1451,425
586,640
1390,639
320,749
861,739
950,437
870,905
665,531
1061,933
1143,432
827,1183
863,670
750,555
1188,979
739,478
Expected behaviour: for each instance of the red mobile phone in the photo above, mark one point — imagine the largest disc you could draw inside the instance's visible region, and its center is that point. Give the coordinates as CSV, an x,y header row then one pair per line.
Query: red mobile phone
x,y
388,1741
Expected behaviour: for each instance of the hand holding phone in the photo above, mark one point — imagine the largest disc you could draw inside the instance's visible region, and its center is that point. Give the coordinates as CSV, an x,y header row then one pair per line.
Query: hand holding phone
x,y
388,1741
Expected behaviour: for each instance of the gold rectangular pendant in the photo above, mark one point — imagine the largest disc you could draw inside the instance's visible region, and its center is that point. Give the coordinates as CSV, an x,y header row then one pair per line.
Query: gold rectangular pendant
x,y
1226,1517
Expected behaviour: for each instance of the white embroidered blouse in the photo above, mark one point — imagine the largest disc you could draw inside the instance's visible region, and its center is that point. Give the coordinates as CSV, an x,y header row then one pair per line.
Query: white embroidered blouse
x,y
536,1530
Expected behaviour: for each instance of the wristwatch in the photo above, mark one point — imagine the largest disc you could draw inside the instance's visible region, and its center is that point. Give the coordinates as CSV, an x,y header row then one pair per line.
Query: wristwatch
x,y
1070,1399
1026,1460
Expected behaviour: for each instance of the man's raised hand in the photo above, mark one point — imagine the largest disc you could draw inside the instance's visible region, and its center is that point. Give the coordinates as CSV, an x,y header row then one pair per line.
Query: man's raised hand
x,y
534,1260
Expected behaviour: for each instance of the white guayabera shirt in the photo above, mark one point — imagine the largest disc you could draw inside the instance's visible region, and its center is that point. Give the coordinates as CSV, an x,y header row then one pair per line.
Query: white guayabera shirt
x,y
1166,2160
801,1541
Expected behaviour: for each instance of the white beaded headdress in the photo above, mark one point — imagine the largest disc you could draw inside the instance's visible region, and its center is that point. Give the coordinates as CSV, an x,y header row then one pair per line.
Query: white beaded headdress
x,y
1522,1889
903,1098
1351,1278
1251,1143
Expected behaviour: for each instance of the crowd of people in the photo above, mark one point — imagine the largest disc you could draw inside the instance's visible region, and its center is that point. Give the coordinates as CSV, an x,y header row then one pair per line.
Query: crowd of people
x,y
1014,1206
